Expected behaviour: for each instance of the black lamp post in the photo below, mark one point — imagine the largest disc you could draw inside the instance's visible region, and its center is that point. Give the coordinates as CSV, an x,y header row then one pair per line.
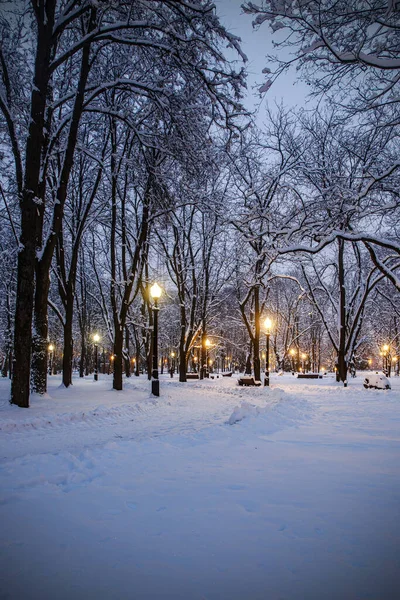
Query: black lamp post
x,y
208,344
96,338
155,292
385,352
268,325
51,355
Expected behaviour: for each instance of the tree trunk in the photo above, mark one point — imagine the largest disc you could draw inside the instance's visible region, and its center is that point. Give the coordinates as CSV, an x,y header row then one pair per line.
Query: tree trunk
x,y
68,342
31,197
256,342
182,365
247,370
341,361
40,331
20,385
127,358
83,357
118,344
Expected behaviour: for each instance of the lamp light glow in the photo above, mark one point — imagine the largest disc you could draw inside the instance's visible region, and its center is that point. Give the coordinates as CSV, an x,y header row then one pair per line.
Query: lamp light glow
x,y
155,291
268,325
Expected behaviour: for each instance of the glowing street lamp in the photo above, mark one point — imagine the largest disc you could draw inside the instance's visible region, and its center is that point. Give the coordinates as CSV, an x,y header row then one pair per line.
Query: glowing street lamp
x,y
292,353
267,327
51,357
172,369
96,339
155,292
384,353
208,346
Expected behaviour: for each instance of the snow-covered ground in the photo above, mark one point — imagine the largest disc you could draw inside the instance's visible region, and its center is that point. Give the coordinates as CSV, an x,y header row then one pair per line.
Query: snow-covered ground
x,y
212,491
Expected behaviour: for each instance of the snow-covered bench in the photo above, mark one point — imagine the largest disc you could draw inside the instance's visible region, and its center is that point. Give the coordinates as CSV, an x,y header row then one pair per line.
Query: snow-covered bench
x,y
248,381
192,376
229,374
309,376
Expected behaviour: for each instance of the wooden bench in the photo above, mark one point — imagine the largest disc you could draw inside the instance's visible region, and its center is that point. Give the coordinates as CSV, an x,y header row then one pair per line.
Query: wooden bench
x,y
309,376
227,374
248,381
192,376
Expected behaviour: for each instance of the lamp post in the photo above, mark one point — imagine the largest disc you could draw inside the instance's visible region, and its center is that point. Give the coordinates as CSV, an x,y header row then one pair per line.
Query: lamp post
x,y
208,344
51,355
385,352
172,369
268,326
96,339
155,292
292,353
303,361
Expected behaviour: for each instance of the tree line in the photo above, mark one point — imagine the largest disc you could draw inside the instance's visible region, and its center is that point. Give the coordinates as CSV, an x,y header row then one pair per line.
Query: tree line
x,y
128,157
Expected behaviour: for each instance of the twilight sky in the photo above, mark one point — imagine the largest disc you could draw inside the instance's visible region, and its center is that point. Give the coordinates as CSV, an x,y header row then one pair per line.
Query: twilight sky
x,y
256,44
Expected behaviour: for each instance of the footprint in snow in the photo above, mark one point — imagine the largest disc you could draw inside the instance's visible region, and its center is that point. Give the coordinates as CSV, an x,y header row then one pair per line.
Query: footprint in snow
x,y
131,505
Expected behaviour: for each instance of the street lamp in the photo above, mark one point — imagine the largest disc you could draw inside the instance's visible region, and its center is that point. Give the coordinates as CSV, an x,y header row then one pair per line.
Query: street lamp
x,y
385,351
292,353
155,292
51,350
268,326
208,344
96,339
303,358
172,369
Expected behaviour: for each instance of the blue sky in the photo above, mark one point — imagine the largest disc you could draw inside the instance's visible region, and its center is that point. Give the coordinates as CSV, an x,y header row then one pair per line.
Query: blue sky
x,y
256,44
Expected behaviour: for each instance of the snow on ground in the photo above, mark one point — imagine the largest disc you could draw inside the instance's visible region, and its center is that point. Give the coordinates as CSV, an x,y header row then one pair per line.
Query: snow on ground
x,y
118,495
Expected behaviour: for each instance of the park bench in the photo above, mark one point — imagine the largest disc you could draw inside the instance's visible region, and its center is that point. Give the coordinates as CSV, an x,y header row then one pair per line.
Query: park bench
x,y
229,374
309,376
192,376
248,381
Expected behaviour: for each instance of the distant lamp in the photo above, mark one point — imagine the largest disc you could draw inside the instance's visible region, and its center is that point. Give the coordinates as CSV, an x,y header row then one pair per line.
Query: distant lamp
x,y
155,292
268,327
96,339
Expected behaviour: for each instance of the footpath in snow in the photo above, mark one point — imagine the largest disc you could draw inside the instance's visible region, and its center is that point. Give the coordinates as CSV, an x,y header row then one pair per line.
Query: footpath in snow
x,y
212,491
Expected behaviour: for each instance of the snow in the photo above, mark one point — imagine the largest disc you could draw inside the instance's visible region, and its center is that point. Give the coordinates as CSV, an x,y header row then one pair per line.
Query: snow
x,y
115,495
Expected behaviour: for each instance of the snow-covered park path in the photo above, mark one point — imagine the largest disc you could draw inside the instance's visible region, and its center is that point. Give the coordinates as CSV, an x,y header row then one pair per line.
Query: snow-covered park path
x,y
110,495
